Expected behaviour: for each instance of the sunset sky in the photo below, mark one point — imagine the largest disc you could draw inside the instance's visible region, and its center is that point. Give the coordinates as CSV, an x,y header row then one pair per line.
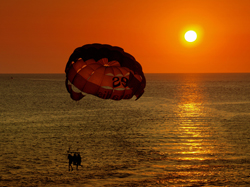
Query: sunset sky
x,y
38,36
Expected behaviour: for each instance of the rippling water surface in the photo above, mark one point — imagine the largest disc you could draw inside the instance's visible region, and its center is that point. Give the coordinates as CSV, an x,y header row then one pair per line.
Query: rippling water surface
x,y
186,130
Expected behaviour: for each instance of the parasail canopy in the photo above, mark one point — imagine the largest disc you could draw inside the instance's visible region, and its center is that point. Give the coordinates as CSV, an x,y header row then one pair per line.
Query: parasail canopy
x,y
104,71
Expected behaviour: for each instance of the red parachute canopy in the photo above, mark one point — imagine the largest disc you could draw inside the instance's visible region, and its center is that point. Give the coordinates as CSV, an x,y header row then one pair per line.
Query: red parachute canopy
x,y
104,71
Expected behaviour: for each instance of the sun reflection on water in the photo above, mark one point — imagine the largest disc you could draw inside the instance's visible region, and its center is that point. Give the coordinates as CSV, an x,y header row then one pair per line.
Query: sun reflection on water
x,y
191,128
190,145
187,138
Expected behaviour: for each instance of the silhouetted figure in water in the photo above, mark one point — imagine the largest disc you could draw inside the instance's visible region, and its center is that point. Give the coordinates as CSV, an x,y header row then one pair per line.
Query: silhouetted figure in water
x,y
71,159
78,160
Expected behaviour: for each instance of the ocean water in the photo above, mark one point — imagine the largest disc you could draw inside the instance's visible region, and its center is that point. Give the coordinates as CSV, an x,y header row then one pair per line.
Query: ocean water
x,y
186,130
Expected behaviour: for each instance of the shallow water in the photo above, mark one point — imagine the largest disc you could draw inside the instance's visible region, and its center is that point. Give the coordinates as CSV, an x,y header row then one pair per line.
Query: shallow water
x,y
186,130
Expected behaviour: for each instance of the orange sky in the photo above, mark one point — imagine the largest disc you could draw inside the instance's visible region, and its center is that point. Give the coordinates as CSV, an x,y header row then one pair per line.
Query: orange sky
x,y
38,36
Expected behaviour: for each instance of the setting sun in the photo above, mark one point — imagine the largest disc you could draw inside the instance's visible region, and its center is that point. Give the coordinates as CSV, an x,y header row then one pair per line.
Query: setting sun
x,y
153,32
190,36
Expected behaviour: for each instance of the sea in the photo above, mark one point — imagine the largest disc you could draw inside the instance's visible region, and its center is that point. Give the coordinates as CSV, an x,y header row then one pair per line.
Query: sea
x,y
186,130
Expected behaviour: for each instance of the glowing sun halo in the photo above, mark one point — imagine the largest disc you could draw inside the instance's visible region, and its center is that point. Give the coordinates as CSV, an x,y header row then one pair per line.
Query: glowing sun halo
x,y
190,36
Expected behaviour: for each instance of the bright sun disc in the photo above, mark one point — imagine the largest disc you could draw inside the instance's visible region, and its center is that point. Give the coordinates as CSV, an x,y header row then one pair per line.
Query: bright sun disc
x,y
190,36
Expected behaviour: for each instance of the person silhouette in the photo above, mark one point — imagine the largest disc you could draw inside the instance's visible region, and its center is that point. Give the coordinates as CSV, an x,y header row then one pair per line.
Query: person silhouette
x,y
70,157
78,160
